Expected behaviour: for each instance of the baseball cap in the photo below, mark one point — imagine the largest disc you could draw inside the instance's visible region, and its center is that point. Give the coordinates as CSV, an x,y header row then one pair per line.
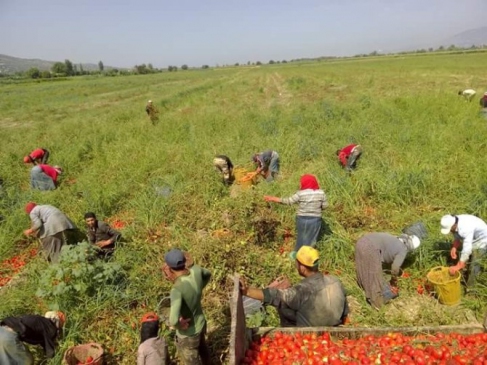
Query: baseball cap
x,y
416,242
175,259
150,317
447,221
307,256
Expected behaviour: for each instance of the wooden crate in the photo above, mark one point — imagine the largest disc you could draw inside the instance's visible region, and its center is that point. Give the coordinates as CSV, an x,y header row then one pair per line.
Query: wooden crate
x,y
241,336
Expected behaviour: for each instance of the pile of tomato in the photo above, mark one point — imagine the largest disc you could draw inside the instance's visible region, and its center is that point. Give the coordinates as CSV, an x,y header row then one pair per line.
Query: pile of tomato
x,y
12,266
390,349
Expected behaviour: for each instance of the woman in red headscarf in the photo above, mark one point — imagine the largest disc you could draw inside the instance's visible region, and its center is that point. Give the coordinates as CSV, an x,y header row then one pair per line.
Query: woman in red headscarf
x,y
312,200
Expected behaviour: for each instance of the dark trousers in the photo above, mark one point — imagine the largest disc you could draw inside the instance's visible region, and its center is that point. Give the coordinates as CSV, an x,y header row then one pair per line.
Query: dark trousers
x,y
45,157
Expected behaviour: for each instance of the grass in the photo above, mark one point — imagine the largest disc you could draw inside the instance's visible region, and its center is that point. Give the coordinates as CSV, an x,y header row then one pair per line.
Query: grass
x,y
423,157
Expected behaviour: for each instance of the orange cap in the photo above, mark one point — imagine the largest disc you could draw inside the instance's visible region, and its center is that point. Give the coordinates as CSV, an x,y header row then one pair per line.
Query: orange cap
x,y
150,317
27,159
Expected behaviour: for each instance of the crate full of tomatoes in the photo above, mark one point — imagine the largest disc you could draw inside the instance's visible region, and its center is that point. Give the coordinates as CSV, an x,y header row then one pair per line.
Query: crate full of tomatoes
x,y
295,348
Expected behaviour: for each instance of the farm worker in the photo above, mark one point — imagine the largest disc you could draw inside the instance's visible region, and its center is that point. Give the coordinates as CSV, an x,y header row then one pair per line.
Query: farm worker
x,y
483,101
267,164
101,234
349,155
318,300
39,155
223,164
371,251
152,349
151,111
312,200
44,177
470,232
52,226
32,329
468,94
186,314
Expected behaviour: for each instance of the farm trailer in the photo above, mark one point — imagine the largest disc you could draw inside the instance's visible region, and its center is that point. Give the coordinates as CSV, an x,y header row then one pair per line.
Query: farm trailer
x,y
241,336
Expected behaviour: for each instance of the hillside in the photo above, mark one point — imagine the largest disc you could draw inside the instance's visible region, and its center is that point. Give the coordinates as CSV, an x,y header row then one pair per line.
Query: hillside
x,y
468,38
10,65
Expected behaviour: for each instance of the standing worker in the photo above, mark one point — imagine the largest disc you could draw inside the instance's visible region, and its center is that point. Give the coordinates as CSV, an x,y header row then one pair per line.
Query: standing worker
x,y
223,164
267,164
470,232
317,300
39,155
52,226
371,251
152,112
186,315
349,155
468,94
312,200
45,177
31,329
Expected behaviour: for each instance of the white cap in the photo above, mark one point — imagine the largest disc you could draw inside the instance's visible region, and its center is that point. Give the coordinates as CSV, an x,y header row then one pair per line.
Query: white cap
x,y
447,221
416,242
150,101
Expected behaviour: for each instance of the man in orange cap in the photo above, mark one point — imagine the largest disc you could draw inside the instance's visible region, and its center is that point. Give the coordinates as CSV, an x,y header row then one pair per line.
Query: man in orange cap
x,y
318,300
39,155
152,349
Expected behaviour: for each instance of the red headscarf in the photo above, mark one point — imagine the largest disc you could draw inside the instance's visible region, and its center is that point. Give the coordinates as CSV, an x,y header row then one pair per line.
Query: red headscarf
x,y
309,182
29,207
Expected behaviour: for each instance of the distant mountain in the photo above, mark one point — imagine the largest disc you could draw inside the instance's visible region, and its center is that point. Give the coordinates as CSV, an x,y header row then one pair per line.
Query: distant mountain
x,y
471,37
10,65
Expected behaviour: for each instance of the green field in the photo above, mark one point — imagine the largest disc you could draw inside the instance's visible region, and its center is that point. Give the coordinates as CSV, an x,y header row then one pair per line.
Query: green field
x,y
423,158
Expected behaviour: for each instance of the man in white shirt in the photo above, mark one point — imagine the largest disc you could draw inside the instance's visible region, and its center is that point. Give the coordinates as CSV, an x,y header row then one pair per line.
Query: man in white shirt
x,y
472,232
468,94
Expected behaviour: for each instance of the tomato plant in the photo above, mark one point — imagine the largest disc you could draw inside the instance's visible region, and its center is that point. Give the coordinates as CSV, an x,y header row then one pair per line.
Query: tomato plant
x,y
392,348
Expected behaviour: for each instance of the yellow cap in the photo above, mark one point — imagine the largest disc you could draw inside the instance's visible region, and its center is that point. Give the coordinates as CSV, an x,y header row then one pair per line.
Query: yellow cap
x,y
307,256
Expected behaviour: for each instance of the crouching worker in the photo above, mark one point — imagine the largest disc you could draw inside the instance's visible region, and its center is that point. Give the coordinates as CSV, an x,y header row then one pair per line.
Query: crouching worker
x,y
318,300
371,251
267,163
349,155
223,164
45,177
101,234
152,349
31,329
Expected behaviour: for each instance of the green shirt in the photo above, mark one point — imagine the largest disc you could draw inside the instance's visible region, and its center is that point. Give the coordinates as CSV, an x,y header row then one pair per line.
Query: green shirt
x,y
186,300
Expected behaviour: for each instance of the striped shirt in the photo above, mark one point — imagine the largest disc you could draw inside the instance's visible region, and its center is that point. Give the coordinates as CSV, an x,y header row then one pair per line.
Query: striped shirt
x,y
311,202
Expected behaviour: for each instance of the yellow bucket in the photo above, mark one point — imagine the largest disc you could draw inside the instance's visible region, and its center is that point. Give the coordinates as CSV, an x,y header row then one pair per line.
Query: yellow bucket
x,y
239,173
447,286
248,180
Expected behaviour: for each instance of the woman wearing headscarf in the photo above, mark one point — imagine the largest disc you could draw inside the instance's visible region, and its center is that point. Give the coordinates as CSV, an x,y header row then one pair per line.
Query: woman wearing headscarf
x,y
152,349
31,329
371,251
45,177
312,200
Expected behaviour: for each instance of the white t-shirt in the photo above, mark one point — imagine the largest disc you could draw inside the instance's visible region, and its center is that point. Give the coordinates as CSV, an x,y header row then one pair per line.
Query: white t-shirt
x,y
473,232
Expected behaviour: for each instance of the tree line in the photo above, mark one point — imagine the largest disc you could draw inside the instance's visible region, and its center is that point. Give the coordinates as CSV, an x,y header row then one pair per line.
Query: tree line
x,y
68,69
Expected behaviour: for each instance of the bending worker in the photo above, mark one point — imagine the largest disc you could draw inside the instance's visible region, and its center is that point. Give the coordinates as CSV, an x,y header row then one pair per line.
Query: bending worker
x,y
470,232
267,164
31,329
371,251
223,164
349,155
39,155
318,300
45,177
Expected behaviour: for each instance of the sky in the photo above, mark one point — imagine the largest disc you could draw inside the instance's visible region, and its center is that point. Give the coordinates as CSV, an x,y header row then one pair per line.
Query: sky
x,y
124,33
